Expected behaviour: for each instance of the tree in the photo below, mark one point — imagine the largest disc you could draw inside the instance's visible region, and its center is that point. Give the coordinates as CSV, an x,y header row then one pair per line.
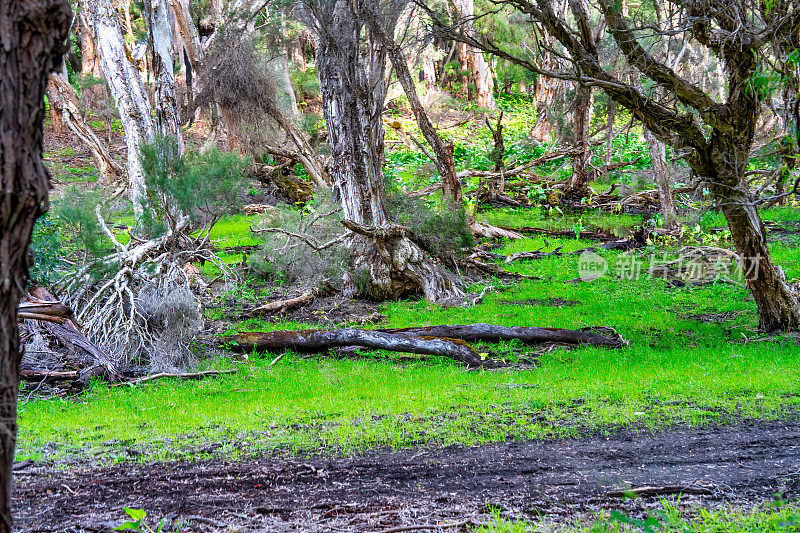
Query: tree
x,y
351,64
159,27
715,138
61,96
126,86
471,58
33,37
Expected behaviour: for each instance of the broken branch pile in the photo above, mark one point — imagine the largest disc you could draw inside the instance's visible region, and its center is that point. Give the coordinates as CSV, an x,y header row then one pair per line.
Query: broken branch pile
x,y
447,341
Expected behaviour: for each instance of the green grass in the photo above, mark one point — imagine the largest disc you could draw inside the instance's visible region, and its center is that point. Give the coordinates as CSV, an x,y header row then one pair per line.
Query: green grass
x,y
538,217
671,516
674,371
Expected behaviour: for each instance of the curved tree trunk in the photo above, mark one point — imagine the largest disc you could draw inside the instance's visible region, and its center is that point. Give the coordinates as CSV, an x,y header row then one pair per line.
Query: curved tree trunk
x,y
778,304
62,97
126,87
353,93
33,37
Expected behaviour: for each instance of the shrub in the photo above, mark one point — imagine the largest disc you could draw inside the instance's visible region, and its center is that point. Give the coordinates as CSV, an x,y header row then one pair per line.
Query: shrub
x,y
201,186
76,220
282,256
443,232
46,251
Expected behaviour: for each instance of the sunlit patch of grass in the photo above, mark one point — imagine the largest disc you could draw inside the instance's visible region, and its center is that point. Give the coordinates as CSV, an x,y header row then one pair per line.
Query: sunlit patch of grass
x,y
675,370
670,516
538,217
235,231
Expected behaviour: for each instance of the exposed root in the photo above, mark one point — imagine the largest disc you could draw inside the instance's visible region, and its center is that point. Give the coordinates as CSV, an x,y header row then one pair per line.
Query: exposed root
x,y
114,307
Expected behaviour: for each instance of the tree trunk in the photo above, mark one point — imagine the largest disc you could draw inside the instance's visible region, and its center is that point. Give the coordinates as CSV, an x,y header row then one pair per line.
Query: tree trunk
x,y
583,106
33,36
472,59
159,27
353,93
189,35
778,304
304,152
62,98
658,159
443,152
126,86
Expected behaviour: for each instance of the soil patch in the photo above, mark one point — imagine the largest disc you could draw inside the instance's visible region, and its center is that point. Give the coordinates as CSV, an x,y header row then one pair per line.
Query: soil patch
x,y
717,318
741,464
325,310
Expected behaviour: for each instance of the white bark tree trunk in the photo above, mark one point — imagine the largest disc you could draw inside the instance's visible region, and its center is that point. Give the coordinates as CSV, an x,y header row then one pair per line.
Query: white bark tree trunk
x,y
126,87
351,75
159,26
188,31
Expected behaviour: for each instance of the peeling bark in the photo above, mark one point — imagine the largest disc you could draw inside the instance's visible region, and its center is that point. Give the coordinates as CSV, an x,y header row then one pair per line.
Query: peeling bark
x,y
126,87
159,27
352,83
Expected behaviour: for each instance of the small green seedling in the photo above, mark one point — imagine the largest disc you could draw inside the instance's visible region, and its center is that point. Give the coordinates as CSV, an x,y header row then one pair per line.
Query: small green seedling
x,y
137,516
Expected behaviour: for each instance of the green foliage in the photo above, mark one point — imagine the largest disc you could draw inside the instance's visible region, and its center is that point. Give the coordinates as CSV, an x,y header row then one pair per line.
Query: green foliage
x,y
77,221
202,186
46,250
137,522
443,232
305,83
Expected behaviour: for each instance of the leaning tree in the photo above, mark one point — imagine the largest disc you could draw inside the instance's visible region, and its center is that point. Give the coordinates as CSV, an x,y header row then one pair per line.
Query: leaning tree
x,y
352,66
33,37
756,43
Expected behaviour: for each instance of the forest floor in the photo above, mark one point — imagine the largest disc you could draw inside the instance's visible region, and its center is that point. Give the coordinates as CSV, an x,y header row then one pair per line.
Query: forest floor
x,y
378,441
743,465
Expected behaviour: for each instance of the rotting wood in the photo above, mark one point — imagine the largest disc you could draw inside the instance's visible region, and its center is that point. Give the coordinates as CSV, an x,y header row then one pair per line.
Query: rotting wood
x,y
295,189
56,318
316,340
48,376
530,335
282,305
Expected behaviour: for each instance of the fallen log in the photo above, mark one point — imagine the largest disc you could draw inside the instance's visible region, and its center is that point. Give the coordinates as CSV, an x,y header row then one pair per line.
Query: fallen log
x,y
529,335
317,340
186,375
48,376
493,232
295,189
600,236
660,491
55,312
281,305
69,335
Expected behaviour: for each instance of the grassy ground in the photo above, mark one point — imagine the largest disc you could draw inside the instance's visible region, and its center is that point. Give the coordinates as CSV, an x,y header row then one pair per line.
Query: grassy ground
x,y
670,516
677,369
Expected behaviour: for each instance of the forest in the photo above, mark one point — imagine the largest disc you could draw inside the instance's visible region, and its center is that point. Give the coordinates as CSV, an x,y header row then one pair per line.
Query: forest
x,y
400,265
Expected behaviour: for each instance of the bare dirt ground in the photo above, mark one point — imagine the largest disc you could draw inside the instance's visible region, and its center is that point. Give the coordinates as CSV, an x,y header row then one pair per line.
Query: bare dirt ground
x,y
741,464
